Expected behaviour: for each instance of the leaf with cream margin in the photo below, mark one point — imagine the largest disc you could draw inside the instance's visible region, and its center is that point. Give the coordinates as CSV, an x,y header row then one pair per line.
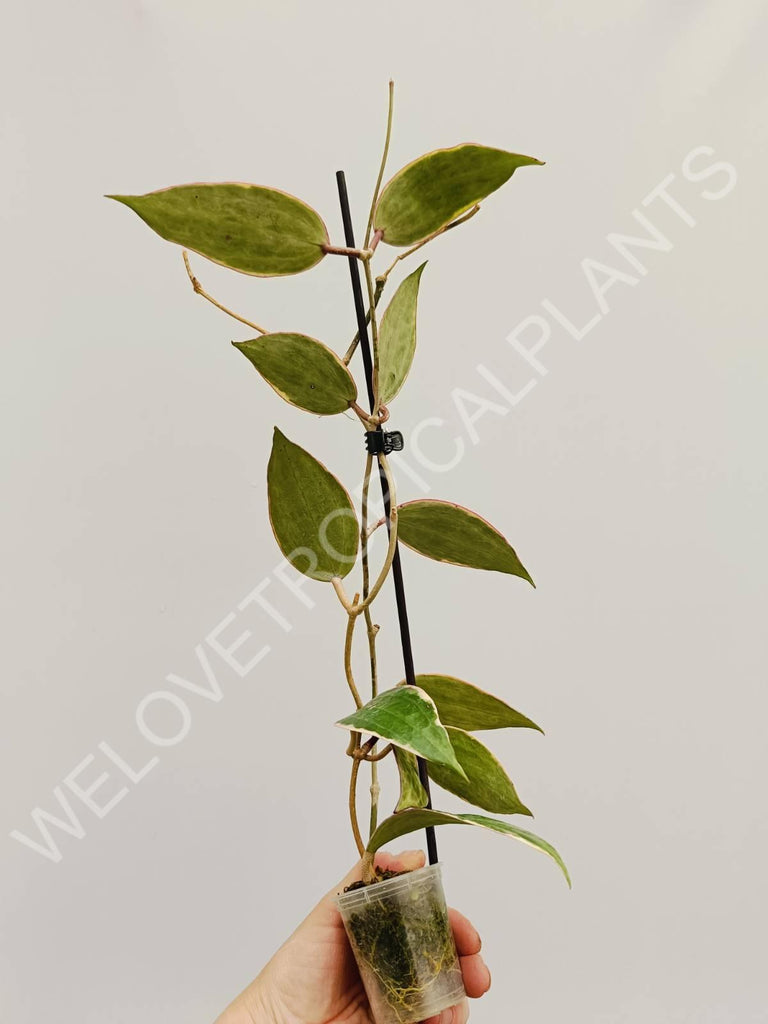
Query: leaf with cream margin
x,y
451,533
484,783
466,706
249,228
407,717
412,820
397,336
431,191
412,793
311,513
302,370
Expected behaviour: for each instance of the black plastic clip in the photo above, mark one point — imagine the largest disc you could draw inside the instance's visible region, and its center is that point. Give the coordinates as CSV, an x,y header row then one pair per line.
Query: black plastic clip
x,y
383,442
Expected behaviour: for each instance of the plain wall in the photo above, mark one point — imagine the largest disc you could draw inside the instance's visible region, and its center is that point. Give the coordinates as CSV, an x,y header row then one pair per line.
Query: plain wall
x,y
630,477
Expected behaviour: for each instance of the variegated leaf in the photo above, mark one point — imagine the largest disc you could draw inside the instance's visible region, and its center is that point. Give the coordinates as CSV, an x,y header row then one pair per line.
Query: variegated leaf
x,y
412,793
407,717
484,783
468,707
412,820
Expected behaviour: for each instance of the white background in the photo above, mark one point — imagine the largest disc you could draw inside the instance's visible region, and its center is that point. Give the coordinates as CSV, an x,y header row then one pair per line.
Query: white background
x,y
631,480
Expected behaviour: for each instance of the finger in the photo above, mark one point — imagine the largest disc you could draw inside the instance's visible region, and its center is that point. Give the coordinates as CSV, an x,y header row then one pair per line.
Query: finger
x,y
455,1015
408,860
476,976
465,934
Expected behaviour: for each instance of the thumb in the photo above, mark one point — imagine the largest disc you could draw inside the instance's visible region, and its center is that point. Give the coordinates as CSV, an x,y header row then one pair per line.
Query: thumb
x,y
408,860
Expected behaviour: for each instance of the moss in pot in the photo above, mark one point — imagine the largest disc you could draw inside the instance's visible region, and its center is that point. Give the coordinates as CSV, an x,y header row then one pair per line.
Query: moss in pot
x,y
403,943
425,725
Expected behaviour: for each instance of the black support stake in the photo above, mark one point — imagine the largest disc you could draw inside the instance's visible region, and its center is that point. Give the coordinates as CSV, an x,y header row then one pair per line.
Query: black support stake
x,y
397,571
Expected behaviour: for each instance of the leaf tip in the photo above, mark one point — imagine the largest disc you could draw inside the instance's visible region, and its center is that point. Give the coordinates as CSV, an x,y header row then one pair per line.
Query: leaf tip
x,y
279,440
527,576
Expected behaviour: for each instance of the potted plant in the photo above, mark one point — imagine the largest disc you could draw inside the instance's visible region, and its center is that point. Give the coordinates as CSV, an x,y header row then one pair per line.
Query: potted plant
x,y
425,725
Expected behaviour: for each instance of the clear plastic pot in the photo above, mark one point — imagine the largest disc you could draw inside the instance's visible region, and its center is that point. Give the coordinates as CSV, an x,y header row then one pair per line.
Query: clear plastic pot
x,y
403,945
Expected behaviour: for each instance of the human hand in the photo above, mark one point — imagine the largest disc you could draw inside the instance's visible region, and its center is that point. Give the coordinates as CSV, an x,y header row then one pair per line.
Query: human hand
x,y
313,978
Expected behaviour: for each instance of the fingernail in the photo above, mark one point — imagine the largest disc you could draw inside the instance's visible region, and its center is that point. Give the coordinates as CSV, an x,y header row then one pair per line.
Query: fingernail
x,y
409,860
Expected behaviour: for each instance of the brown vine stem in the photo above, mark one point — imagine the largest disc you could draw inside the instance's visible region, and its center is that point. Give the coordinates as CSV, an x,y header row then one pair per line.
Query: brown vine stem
x,y
201,291
345,250
374,590
354,750
374,757
360,755
382,166
348,655
368,421
364,417
393,560
374,526
353,608
364,753
372,630
374,336
338,586
353,807
356,340
369,593
381,280
369,875
435,234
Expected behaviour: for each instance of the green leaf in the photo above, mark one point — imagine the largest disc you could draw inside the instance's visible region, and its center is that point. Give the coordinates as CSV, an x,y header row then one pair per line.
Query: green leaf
x,y
397,336
311,513
450,533
412,820
436,188
485,784
412,793
467,707
407,717
255,230
302,370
